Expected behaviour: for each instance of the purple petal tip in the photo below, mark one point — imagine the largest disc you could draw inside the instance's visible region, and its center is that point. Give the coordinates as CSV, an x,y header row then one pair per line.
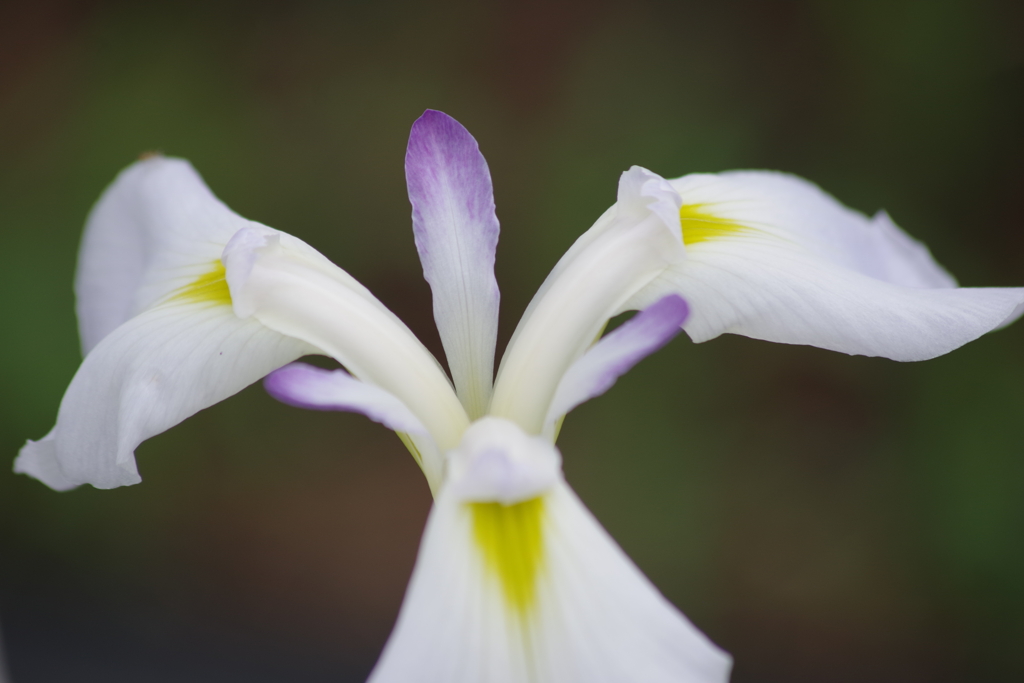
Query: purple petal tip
x,y
435,129
280,384
669,308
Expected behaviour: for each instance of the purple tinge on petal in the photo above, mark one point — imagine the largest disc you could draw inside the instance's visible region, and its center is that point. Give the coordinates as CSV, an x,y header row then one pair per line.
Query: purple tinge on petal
x,y
616,353
305,386
456,233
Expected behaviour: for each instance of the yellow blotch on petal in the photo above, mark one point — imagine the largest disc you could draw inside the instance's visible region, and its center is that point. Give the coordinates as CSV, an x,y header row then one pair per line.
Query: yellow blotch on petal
x,y
211,287
511,540
699,225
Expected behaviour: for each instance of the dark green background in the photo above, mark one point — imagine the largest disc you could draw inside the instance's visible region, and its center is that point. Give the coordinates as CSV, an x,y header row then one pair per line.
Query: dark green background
x,y
824,518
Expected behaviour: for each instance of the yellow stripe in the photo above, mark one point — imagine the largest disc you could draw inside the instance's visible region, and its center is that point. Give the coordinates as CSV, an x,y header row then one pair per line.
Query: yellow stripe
x,y
211,287
511,540
700,226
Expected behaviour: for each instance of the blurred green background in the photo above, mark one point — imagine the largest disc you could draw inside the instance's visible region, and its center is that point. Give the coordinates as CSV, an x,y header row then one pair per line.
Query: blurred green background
x,y
822,517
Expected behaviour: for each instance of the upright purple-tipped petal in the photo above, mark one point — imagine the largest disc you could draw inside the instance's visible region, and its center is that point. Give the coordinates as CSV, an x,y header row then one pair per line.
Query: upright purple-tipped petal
x,y
306,386
456,235
615,354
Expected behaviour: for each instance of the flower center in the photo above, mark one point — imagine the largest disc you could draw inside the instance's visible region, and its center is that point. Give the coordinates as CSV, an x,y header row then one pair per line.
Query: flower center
x,y
501,476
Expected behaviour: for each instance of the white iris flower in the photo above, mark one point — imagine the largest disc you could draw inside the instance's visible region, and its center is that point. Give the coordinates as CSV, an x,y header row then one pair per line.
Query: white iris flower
x,y
182,303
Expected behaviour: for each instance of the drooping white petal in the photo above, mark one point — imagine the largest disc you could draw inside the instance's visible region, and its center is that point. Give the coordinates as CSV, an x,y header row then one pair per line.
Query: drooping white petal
x,y
775,293
306,386
289,287
146,376
628,248
615,354
534,592
748,203
157,321
456,235
772,257
893,256
38,459
154,231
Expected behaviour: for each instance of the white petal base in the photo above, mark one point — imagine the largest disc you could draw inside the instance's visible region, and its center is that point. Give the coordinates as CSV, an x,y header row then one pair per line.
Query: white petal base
x,y
593,617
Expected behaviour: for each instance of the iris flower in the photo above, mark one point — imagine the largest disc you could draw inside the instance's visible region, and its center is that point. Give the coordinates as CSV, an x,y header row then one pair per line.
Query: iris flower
x,y
182,303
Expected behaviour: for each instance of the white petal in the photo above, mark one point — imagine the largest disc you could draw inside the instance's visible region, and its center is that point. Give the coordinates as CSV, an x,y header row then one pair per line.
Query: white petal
x,y
584,614
517,583
773,291
456,234
38,459
146,376
154,230
622,254
292,289
797,211
162,339
894,256
772,257
306,386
